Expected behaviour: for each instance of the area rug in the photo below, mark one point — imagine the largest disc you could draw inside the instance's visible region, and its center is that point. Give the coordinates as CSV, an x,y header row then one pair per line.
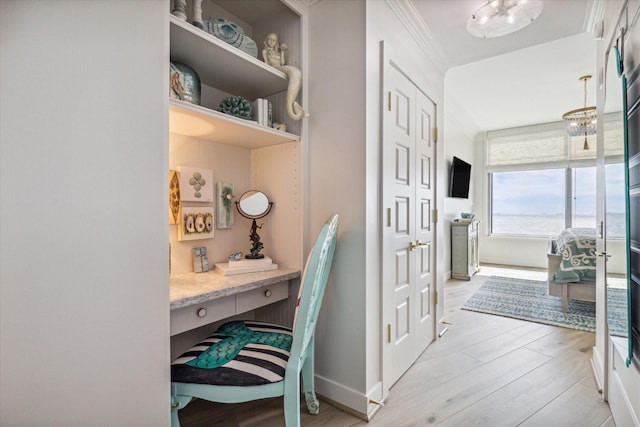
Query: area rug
x,y
529,300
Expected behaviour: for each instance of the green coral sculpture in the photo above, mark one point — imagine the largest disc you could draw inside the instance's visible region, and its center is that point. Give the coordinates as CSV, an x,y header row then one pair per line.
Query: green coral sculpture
x,y
236,106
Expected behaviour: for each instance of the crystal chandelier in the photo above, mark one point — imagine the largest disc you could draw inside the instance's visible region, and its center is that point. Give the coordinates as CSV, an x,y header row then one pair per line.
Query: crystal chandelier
x,y
501,17
583,120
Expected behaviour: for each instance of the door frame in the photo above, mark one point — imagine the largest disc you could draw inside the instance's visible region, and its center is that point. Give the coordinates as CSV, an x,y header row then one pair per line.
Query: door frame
x,y
390,61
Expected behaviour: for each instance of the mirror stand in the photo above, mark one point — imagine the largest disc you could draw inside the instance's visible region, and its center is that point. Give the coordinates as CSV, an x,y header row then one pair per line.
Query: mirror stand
x,y
254,205
256,244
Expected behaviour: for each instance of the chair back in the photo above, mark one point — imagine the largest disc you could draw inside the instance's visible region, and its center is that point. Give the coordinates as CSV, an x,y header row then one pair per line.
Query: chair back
x,y
313,285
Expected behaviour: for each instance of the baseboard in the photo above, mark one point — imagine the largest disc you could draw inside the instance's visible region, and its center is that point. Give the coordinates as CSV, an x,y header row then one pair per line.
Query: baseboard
x,y
350,400
594,371
597,367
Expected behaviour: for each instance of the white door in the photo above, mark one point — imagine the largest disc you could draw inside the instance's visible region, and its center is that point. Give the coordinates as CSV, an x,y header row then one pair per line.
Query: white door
x,y
408,165
425,205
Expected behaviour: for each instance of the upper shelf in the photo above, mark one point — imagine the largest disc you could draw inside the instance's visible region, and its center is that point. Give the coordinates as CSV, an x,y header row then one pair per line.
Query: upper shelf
x,y
200,122
221,65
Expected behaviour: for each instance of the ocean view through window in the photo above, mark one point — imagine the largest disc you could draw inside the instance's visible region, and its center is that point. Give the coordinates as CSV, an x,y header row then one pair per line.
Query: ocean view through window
x,y
541,203
541,180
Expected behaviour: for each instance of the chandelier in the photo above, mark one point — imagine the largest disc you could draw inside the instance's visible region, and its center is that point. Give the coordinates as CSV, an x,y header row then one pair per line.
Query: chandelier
x,y
501,17
583,120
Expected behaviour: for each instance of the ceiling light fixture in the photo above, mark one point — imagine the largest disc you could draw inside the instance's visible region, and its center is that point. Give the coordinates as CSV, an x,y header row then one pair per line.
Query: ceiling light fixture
x,y
501,17
583,120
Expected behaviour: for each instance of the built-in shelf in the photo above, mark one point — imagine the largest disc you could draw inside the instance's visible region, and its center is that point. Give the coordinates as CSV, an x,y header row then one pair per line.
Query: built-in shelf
x,y
220,65
200,122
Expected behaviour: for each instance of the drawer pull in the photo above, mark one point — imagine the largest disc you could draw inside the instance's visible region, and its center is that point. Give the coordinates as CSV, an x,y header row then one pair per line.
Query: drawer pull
x,y
267,293
202,312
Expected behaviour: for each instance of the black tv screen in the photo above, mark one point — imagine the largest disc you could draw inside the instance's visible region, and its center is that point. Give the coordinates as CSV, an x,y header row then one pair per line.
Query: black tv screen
x,y
459,179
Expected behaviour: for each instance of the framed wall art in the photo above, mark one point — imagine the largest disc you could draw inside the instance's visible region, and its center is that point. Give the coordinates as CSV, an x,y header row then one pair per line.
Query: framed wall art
x,y
196,223
196,184
174,197
224,218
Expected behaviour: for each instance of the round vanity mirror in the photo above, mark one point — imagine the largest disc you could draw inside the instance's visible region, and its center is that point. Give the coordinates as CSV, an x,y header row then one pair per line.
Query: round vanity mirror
x,y
254,204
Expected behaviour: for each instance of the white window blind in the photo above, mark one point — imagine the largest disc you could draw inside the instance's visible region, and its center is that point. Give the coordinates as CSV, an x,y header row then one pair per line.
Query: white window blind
x,y
548,146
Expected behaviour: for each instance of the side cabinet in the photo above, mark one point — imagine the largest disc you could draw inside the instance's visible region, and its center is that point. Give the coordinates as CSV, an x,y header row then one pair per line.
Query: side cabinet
x,y
464,249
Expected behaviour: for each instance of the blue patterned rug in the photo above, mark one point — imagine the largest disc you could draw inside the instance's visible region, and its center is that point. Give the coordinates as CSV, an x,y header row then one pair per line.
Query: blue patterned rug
x,y
529,300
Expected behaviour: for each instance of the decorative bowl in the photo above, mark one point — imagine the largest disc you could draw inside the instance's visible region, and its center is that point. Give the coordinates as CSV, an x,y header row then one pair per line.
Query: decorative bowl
x,y
184,83
467,215
231,33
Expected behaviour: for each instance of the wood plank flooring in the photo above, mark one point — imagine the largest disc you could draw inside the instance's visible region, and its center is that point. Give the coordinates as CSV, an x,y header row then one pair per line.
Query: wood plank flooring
x,y
485,371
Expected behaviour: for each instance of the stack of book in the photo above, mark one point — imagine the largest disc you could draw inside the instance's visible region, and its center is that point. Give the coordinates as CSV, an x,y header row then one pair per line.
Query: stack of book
x,y
246,266
262,112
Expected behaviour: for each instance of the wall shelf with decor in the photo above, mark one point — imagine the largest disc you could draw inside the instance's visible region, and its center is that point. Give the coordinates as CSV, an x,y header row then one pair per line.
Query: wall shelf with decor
x,y
221,65
203,123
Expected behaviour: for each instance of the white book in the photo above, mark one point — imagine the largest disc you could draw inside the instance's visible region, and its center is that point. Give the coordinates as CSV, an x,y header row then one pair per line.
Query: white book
x,y
227,271
265,112
245,262
257,110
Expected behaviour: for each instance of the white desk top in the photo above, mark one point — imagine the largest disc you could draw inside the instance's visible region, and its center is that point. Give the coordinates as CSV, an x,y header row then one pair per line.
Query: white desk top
x,y
194,288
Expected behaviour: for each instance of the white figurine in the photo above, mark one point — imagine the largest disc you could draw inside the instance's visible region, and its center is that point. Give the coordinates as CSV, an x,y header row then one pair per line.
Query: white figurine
x,y
197,14
273,54
180,9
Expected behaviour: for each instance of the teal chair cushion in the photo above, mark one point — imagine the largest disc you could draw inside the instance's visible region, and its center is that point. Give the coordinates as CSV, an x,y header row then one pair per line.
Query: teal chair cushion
x,y
239,353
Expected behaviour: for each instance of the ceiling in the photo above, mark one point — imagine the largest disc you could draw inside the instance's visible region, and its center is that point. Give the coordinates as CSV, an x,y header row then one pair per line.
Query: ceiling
x,y
447,20
530,76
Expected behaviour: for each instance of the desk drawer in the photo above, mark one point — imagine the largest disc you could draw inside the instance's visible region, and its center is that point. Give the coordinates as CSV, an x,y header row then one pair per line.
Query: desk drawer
x,y
194,316
262,296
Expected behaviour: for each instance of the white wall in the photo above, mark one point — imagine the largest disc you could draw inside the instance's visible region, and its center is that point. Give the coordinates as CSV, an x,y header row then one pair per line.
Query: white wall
x,y
337,183
229,164
344,177
84,311
458,139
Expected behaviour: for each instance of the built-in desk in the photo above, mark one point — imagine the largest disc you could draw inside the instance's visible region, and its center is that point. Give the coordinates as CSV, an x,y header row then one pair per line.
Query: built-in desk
x,y
197,299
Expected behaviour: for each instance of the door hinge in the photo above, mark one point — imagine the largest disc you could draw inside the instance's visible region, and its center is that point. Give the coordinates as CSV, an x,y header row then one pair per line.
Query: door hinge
x,y
389,100
389,333
435,134
388,217
435,216
435,297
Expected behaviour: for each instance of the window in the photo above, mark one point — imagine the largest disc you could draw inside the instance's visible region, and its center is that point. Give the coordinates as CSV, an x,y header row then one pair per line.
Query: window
x,y
542,181
583,208
528,203
534,203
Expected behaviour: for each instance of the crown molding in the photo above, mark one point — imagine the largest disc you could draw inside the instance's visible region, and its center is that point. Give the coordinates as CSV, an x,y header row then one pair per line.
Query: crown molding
x,y
594,18
420,32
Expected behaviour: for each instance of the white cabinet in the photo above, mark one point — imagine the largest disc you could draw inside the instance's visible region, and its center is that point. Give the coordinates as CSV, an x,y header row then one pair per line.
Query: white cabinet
x,y
464,249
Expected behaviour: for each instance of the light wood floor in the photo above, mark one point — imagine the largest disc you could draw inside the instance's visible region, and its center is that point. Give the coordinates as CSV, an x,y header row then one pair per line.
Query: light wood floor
x,y
485,371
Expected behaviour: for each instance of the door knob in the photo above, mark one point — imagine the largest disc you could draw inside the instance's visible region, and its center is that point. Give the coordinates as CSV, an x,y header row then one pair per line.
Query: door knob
x,y
417,244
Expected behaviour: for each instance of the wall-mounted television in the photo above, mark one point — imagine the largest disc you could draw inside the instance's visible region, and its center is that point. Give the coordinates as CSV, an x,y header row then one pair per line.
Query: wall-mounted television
x,y
460,175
